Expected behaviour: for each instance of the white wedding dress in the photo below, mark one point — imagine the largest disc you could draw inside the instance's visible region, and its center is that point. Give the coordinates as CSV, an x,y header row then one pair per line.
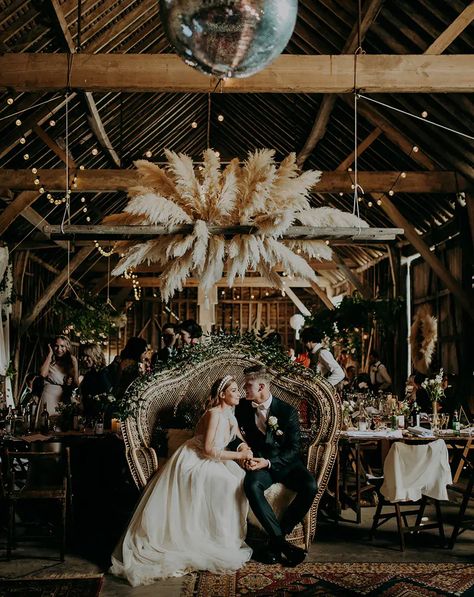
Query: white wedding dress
x,y
192,515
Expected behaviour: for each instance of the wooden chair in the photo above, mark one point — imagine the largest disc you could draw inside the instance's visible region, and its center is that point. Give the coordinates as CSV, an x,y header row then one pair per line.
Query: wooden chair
x,y
463,522
176,398
33,476
416,507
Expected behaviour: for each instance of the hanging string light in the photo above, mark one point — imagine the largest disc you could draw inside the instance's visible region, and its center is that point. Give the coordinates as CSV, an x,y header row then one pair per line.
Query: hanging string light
x,y
102,251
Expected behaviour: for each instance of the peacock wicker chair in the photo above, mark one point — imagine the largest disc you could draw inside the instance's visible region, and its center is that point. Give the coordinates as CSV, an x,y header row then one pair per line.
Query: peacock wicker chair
x,y
176,397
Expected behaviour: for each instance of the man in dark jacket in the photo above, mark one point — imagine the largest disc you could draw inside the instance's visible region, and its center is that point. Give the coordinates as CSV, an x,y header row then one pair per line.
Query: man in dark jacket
x,y
271,428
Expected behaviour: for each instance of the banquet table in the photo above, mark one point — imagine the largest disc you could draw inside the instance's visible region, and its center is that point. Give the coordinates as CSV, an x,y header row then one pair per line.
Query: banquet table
x,y
358,449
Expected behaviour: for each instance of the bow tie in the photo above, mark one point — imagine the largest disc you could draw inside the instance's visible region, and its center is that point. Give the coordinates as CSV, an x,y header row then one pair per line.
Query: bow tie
x,y
258,406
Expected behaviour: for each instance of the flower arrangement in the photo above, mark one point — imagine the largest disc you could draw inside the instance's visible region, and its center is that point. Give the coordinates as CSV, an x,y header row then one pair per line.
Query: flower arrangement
x,y
103,402
273,424
434,387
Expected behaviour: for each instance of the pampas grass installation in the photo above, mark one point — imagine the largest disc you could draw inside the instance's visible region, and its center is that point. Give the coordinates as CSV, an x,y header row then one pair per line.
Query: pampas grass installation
x,y
259,192
423,337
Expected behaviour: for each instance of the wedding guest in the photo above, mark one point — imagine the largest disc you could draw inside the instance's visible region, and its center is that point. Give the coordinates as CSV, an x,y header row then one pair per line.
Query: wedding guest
x,y
379,377
57,367
190,332
321,359
96,378
169,337
350,381
131,364
199,493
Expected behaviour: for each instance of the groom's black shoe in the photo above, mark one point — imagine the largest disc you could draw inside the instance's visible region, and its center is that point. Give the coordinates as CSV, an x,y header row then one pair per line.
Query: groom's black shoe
x,y
266,555
292,555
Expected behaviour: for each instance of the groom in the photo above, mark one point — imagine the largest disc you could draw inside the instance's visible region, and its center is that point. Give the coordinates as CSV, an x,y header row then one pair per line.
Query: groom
x,y
271,428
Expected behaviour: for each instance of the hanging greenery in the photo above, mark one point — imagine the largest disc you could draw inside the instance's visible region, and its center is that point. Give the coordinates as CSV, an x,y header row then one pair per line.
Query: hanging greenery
x,y
354,318
87,318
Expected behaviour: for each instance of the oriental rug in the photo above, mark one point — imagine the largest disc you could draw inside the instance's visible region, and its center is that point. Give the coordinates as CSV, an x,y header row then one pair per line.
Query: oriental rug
x,y
83,586
337,579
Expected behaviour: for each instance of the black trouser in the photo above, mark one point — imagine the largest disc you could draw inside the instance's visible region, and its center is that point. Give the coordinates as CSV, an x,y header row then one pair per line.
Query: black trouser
x,y
298,479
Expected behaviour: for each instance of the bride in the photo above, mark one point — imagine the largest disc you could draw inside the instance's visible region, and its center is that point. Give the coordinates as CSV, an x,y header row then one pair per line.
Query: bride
x,y
192,514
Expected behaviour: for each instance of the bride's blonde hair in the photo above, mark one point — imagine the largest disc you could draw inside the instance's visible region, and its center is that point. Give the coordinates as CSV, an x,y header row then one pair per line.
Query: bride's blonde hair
x,y
220,385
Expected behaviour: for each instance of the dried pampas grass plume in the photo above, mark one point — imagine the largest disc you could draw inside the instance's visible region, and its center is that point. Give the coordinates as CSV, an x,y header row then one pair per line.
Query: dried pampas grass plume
x,y
260,192
423,337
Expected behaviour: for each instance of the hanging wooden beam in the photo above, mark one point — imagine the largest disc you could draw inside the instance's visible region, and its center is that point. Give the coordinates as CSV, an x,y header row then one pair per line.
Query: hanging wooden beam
x,y
15,208
299,304
287,74
415,239
328,102
38,221
53,287
96,181
322,295
102,231
248,282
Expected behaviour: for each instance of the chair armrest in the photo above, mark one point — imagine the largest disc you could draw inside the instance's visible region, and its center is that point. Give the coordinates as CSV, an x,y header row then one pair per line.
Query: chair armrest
x,y
143,463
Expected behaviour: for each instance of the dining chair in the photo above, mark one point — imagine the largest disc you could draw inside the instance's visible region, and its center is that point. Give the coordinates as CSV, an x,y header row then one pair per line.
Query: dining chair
x,y
42,474
413,474
463,522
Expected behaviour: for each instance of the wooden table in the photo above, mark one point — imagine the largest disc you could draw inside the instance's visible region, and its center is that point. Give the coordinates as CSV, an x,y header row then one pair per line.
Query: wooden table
x,y
352,454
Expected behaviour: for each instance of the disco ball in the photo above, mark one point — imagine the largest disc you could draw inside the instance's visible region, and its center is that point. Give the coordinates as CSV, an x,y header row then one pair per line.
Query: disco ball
x,y
229,38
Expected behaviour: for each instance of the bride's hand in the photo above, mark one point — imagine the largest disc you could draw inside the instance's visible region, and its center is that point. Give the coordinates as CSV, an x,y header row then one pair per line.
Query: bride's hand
x,y
245,454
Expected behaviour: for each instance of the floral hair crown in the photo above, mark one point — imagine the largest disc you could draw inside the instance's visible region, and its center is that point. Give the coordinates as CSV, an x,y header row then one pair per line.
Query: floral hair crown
x,y
223,383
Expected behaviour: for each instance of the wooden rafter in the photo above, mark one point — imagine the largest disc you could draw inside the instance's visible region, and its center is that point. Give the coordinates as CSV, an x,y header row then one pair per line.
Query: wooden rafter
x,y
287,74
351,276
53,287
53,145
463,20
38,221
331,182
15,208
94,118
328,102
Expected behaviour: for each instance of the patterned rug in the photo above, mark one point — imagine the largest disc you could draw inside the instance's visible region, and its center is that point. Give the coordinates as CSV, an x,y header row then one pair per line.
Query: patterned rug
x,y
51,587
340,579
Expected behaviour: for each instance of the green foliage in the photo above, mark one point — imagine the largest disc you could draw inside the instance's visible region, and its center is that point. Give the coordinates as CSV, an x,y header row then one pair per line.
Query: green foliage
x,y
88,318
354,318
247,344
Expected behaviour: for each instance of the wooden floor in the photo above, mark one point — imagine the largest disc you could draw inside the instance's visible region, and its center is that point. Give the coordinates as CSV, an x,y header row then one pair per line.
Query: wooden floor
x,y
342,542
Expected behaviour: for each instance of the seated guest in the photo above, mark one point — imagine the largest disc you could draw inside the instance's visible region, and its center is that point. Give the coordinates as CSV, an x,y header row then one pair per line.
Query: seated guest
x,y
190,332
131,364
350,382
321,358
169,336
379,377
96,378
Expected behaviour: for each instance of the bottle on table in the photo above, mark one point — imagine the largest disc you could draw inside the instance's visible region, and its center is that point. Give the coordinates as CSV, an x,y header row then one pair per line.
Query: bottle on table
x,y
415,415
393,420
456,423
9,418
44,420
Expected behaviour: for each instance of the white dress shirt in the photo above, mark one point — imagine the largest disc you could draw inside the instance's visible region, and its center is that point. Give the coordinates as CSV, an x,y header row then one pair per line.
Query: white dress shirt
x,y
261,414
327,365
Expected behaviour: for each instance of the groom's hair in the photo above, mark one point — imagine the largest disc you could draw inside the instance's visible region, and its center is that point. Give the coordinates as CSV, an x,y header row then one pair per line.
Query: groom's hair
x,y
257,373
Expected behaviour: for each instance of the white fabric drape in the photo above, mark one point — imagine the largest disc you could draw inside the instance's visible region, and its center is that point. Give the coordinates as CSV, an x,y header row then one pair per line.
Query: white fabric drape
x,y
411,471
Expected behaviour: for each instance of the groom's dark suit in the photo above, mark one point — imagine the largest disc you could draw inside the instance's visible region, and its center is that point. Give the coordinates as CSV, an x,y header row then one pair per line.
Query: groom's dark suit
x,y
283,452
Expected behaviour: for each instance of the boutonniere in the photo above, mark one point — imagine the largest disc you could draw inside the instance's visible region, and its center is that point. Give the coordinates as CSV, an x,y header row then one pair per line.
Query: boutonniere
x,y
273,424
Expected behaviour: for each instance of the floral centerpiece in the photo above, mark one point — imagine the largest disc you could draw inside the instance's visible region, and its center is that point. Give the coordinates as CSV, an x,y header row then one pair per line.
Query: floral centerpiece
x,y
434,387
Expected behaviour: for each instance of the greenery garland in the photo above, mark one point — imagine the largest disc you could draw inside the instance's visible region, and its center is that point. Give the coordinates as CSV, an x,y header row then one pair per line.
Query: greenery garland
x,y
268,352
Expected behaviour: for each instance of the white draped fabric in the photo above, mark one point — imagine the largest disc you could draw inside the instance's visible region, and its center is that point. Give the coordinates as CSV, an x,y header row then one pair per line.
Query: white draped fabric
x,y
192,516
411,471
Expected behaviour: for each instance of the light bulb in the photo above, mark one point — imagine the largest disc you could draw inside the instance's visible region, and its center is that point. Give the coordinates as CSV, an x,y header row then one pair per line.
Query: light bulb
x,y
403,174
341,194
49,196
18,122
22,140
220,118
88,219
52,122
36,181
217,154
349,169
41,189
34,170
83,199
26,156
415,148
370,203
379,201
149,154
352,186
9,101
424,113
95,151
391,193
194,124
82,167
51,199
84,209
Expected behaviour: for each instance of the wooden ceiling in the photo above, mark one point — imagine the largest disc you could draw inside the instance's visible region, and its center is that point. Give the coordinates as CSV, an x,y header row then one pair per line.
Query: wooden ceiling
x,y
123,126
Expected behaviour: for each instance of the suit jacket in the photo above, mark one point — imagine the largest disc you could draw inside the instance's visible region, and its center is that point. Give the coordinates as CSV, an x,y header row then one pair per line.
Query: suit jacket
x,y
282,450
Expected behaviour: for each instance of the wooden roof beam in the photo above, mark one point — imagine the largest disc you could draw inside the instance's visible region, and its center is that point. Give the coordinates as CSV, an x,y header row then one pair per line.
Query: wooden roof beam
x,y
328,102
287,74
53,146
463,20
94,119
53,287
16,207
104,180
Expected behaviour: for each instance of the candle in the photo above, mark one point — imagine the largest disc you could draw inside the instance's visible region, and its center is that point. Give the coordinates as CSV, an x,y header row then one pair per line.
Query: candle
x,y
115,425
